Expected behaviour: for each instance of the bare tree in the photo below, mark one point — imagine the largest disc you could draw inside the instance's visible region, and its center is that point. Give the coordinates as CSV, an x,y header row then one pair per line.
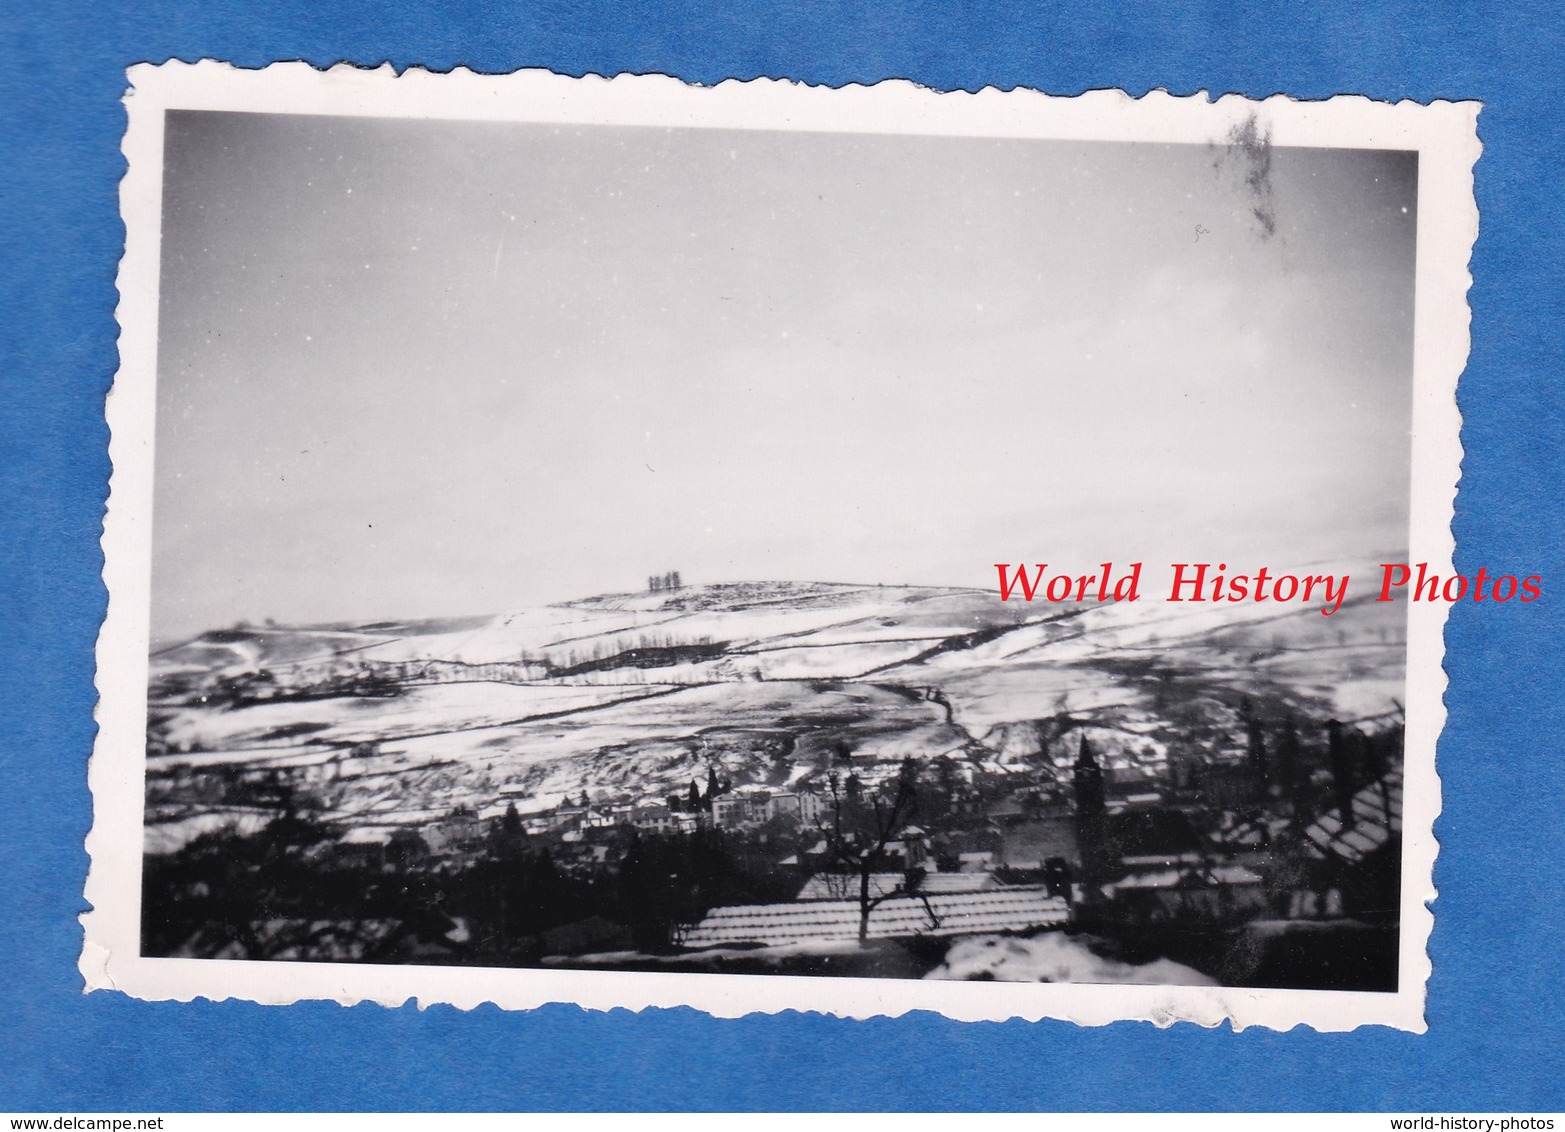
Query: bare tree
x,y
862,825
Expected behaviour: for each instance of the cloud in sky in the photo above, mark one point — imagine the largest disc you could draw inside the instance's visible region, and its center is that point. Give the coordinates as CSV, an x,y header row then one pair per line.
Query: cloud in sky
x,y
413,368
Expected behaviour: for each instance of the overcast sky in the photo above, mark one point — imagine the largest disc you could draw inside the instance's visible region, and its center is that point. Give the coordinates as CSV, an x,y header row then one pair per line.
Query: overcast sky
x,y
415,368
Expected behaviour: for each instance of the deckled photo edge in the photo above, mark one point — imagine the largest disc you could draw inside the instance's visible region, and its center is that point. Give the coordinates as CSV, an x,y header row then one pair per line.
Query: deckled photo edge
x,y
1444,135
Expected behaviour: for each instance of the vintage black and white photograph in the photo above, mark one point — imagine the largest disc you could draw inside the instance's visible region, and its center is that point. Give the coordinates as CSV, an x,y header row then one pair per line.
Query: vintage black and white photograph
x,y
578,546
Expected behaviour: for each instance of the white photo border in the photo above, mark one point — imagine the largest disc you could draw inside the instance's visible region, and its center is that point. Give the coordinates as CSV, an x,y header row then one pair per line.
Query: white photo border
x,y
1443,133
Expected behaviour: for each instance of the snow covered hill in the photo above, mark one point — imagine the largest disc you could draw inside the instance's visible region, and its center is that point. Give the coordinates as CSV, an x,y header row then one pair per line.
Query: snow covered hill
x,y
632,696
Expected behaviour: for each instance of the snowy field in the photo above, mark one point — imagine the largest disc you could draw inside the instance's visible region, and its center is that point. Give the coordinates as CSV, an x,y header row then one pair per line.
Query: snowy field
x,y
779,677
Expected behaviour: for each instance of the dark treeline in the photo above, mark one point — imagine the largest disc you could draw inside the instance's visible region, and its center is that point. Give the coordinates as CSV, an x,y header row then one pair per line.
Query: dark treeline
x,y
292,891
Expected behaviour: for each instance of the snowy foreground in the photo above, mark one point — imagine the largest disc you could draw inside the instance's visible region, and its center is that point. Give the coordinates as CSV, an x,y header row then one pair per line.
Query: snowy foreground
x,y
1054,958
1050,957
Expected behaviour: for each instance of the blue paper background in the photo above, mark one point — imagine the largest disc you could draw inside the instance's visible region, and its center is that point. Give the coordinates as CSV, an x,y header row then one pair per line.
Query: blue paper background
x,y
1496,1000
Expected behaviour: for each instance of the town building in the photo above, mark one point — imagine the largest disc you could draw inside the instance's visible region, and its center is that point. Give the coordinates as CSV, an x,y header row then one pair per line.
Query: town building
x,y
845,886
459,832
653,816
1019,908
730,811
814,808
